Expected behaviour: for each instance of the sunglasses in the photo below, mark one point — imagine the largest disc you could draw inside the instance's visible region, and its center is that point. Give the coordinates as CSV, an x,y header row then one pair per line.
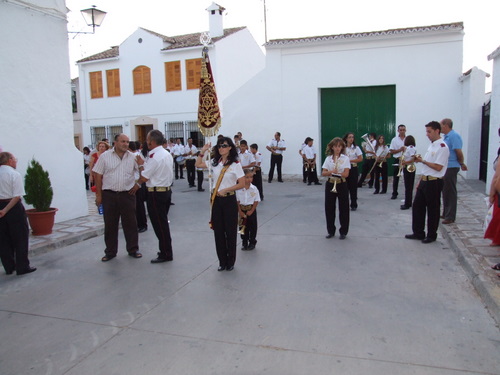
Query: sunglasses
x,y
224,146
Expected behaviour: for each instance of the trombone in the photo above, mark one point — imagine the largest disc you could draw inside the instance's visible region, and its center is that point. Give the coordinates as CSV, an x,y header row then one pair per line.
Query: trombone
x,y
335,166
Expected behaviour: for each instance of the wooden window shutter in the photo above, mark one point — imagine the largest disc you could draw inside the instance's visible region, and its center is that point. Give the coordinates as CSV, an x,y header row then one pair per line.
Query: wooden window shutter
x,y
142,80
113,82
96,85
173,75
193,73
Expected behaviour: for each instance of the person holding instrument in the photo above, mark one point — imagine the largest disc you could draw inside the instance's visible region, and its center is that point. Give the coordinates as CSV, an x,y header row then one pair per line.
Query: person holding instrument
x,y
336,167
408,168
229,177
355,156
382,152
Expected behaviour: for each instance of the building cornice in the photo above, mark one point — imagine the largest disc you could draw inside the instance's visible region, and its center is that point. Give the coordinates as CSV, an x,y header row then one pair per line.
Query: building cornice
x,y
456,26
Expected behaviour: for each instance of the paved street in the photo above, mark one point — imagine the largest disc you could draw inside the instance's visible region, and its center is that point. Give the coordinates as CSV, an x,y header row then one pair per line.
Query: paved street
x,y
374,303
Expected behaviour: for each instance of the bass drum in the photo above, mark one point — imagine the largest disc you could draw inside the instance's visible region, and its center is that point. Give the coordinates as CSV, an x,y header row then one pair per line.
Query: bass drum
x,y
181,160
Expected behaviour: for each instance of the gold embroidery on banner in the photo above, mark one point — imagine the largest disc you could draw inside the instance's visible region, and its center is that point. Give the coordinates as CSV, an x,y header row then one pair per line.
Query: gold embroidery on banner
x,y
209,119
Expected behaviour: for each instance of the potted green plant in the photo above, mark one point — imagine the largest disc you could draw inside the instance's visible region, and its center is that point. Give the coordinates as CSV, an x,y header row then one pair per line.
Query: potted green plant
x,y
39,194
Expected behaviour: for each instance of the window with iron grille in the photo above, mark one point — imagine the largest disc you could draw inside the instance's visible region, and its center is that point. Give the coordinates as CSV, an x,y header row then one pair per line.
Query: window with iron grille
x,y
184,130
97,133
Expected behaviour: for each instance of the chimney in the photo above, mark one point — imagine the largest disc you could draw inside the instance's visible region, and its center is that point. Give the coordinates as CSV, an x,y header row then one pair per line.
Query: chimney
x,y
215,20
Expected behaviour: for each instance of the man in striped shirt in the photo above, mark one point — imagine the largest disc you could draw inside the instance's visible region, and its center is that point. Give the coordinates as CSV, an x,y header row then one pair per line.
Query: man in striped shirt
x,y
115,180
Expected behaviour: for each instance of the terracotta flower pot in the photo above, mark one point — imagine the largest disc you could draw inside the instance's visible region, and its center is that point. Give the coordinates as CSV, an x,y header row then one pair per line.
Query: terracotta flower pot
x,y
41,223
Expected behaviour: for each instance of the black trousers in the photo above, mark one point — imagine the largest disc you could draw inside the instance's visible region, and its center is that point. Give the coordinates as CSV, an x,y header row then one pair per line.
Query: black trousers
x,y
304,172
14,238
191,171
409,183
225,225
367,165
381,171
158,207
116,206
200,178
352,184
276,161
250,235
395,178
257,181
427,200
140,209
87,178
342,195
177,168
312,175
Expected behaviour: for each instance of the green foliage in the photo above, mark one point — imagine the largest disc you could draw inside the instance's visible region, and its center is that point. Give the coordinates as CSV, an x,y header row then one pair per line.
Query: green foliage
x,y
38,188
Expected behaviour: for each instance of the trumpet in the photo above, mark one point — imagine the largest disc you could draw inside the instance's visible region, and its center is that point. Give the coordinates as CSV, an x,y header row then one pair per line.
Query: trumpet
x,y
401,165
412,167
334,189
242,225
368,142
335,167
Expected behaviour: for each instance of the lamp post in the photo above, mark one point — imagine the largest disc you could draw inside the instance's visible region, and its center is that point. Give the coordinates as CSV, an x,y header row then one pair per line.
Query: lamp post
x,y
93,17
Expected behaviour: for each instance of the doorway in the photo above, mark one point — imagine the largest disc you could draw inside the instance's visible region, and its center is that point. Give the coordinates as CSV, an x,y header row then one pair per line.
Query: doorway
x,y
142,131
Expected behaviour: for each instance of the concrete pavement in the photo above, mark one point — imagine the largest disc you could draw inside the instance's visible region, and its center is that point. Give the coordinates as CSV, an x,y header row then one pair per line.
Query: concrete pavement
x,y
374,303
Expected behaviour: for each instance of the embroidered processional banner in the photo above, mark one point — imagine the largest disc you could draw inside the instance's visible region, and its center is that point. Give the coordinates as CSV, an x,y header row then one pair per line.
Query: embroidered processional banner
x,y
209,119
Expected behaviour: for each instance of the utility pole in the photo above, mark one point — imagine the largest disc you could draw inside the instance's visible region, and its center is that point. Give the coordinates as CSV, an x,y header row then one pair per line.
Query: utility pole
x,y
265,21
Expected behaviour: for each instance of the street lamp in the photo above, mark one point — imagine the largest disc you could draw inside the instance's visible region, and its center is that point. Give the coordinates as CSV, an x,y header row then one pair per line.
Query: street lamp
x,y
93,17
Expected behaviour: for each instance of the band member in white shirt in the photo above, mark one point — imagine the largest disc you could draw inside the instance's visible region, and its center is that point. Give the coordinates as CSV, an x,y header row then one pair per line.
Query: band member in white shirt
x,y
355,156
309,157
382,153
228,176
190,152
177,153
336,167
248,198
257,177
247,160
369,160
276,147
396,148
409,175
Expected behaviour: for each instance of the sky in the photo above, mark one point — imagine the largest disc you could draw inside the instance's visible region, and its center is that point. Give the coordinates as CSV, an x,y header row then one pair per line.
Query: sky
x,y
287,19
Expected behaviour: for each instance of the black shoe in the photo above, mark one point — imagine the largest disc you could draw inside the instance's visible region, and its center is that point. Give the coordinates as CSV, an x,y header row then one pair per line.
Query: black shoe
x,y
221,268
317,183
307,183
413,237
135,255
107,258
394,196
383,192
182,178
191,186
201,189
269,181
428,240
142,230
280,180
244,247
230,268
172,203
10,272
26,270
342,237
160,260
370,186
354,208
376,192
251,247
403,207
329,235
304,181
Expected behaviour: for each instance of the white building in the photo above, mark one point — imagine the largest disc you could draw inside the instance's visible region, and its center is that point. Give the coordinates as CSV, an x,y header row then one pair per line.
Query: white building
x,y
36,118
319,87
368,82
494,114
151,81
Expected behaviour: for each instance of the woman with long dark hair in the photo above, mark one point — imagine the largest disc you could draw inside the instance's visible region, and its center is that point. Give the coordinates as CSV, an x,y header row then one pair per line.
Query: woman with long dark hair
x,y
382,153
228,177
336,167
355,156
493,230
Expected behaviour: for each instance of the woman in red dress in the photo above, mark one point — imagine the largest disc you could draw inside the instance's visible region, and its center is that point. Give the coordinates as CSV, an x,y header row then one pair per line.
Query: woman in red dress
x,y
493,230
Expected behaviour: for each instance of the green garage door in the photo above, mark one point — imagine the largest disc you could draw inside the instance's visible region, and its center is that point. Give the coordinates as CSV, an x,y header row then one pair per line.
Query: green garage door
x,y
359,110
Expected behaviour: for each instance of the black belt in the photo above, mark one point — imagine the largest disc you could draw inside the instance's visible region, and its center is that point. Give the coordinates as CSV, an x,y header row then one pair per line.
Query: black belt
x,y
5,200
116,192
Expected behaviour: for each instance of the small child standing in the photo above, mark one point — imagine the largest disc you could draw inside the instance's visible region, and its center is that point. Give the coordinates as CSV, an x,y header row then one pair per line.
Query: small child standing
x,y
257,178
248,198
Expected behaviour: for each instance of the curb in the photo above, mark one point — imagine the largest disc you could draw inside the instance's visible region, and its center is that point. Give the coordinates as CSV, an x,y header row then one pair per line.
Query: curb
x,y
488,291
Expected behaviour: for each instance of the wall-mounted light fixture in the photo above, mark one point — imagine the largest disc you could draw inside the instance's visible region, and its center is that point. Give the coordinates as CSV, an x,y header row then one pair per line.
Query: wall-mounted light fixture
x,y
93,17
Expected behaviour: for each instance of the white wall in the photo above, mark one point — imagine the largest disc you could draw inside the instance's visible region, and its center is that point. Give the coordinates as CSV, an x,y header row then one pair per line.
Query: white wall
x,y
494,117
36,114
285,97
